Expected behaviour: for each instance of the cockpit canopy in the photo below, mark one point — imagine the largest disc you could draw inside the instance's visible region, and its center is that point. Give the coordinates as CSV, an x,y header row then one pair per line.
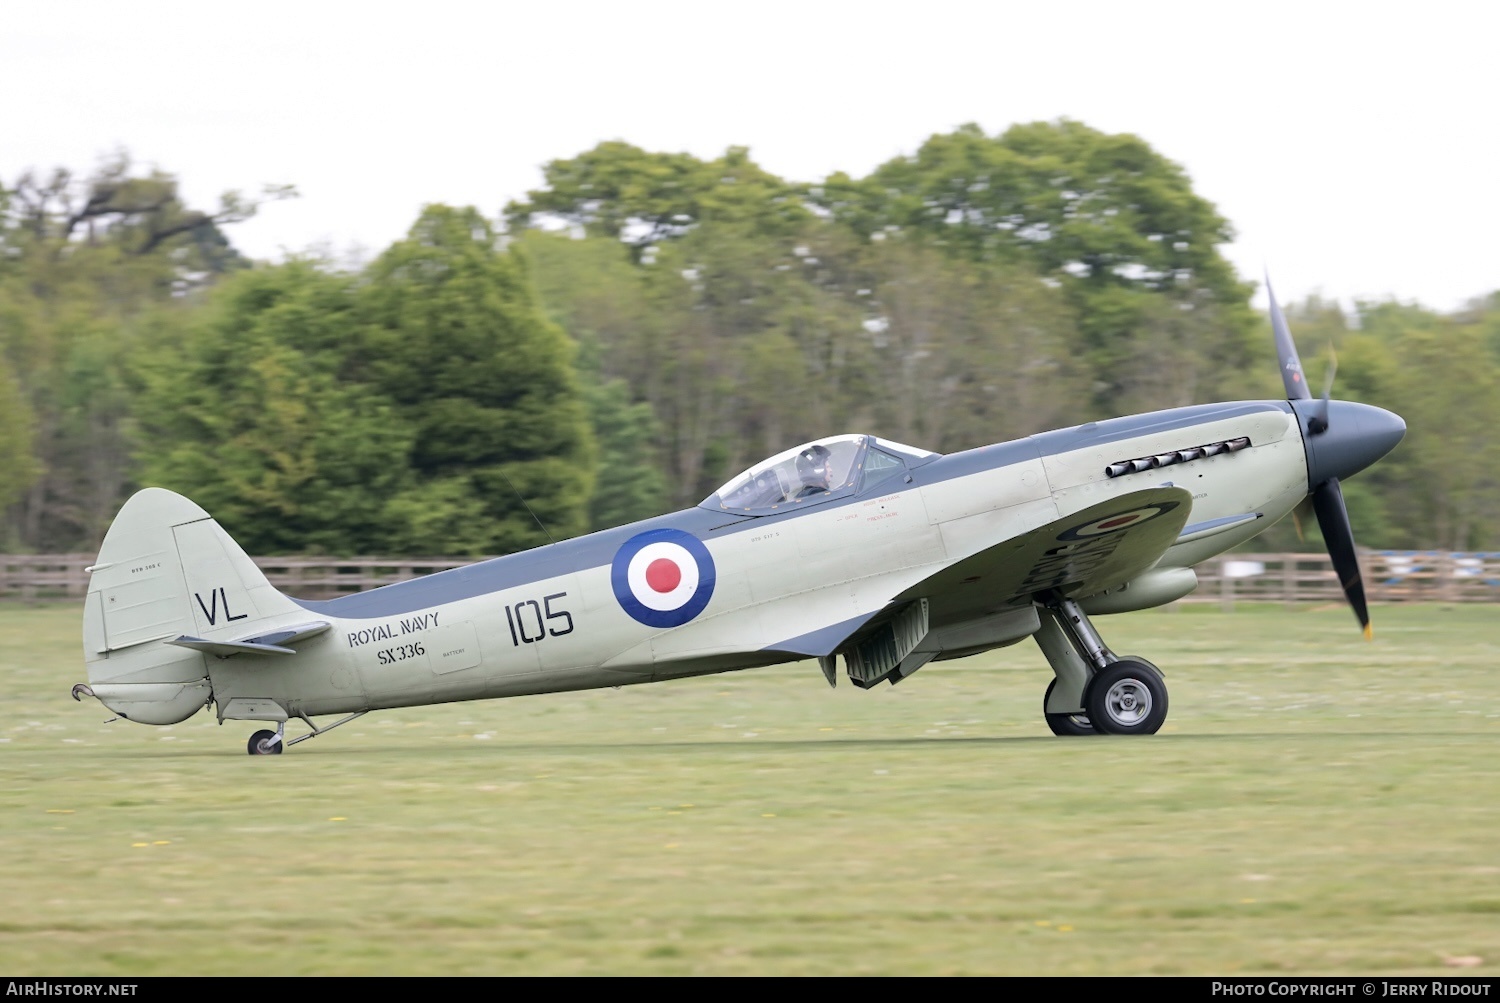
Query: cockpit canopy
x,y
815,472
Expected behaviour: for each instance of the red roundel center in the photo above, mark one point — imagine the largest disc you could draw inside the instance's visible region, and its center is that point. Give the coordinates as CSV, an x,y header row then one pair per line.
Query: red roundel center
x,y
1123,520
663,575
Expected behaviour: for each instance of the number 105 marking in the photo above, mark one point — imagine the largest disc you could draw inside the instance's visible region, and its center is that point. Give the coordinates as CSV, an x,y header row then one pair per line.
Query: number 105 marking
x,y
528,613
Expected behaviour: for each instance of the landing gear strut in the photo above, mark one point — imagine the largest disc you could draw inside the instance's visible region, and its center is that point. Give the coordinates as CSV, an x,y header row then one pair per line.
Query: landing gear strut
x,y
1095,690
1066,724
273,743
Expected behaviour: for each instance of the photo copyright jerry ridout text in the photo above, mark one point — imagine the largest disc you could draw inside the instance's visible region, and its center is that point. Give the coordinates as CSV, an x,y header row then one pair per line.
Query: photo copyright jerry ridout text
x,y
1414,987
50,987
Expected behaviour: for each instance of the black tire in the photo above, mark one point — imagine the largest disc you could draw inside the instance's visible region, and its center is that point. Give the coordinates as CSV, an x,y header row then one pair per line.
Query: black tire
x,y
1146,662
1127,697
264,743
1067,725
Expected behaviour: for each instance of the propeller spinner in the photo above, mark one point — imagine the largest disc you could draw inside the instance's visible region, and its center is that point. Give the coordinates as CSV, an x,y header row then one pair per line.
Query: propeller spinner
x,y
1342,438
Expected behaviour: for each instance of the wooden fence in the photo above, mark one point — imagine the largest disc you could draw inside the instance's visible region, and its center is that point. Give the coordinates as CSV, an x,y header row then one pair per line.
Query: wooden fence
x,y
1390,576
33,577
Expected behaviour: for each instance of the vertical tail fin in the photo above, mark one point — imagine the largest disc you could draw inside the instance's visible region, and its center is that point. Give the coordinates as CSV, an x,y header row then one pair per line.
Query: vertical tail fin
x,y
167,569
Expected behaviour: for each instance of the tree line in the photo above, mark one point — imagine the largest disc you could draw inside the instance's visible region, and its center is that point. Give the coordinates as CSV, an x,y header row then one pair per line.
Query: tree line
x,y
644,325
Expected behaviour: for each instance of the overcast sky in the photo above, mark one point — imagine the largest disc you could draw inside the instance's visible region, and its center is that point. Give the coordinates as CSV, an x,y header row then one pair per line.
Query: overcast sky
x,y
1355,147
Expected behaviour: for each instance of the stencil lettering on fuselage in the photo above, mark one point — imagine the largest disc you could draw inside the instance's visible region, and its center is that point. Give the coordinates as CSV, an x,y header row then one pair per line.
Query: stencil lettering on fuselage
x,y
454,647
390,629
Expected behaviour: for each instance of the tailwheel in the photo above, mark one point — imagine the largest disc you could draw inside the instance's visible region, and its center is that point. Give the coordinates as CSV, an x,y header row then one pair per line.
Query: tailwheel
x,y
1066,724
265,743
1127,697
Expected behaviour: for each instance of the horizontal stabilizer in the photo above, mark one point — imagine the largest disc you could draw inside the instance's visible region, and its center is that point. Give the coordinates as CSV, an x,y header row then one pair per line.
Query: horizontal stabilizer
x,y
271,643
290,635
224,649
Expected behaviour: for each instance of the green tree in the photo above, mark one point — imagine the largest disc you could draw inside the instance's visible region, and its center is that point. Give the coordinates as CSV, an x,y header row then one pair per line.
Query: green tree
x,y
745,339
629,485
619,191
721,332
457,343
17,429
90,269
749,350
1484,313
1446,384
1116,225
967,353
1083,206
141,216
591,288
246,412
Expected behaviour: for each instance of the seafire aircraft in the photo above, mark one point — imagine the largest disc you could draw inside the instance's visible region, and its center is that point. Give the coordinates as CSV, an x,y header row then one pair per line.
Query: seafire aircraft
x,y
850,546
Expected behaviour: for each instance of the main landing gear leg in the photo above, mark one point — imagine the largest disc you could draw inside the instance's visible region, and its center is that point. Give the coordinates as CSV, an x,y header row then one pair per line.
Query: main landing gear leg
x,y
271,743
1062,706
1095,690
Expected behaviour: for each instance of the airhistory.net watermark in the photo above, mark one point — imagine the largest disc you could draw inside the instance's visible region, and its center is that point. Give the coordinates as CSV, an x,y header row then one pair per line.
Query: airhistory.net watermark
x,y
57,987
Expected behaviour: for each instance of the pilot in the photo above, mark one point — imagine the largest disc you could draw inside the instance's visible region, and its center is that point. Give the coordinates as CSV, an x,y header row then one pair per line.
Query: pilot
x,y
815,471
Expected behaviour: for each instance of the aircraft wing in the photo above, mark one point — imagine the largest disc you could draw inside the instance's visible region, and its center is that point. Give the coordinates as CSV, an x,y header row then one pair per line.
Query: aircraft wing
x,y
1080,554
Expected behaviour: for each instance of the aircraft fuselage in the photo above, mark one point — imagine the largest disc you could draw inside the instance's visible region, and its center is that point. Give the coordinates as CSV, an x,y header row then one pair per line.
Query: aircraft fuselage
x,y
550,620
912,557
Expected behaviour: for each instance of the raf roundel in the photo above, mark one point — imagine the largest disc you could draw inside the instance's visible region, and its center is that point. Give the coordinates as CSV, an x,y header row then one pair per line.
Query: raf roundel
x,y
1115,523
663,577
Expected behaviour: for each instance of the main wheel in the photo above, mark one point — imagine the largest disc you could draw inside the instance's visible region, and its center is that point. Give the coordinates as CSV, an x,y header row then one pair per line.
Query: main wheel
x,y
1127,697
1065,724
264,743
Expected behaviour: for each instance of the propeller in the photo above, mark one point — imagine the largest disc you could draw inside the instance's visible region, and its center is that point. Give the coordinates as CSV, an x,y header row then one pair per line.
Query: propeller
x,y
1326,496
1286,352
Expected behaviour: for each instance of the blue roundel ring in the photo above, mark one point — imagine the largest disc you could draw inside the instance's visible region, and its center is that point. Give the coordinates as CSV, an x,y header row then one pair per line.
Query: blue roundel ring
x,y
1105,525
694,577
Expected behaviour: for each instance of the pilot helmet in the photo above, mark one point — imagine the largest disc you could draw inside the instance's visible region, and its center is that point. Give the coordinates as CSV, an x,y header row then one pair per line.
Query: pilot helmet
x,y
812,463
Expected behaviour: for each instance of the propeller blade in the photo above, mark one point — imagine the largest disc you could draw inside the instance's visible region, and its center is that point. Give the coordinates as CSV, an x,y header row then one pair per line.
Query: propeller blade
x,y
1286,352
1333,520
1317,422
1333,368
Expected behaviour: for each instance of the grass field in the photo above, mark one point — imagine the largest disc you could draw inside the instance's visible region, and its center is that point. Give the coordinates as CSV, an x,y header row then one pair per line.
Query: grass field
x,y
1315,805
